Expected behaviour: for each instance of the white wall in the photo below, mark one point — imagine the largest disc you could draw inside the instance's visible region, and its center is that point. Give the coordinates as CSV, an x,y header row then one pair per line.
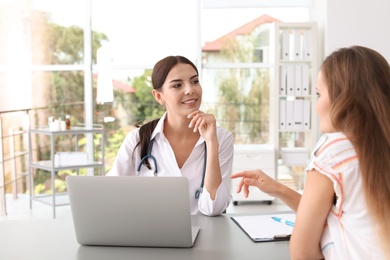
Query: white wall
x,y
352,22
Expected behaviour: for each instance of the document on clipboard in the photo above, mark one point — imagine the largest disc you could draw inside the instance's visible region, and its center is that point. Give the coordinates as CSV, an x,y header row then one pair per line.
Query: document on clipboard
x,y
264,228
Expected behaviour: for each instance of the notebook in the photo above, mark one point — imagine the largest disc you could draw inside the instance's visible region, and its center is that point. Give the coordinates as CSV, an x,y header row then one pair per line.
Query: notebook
x,y
138,211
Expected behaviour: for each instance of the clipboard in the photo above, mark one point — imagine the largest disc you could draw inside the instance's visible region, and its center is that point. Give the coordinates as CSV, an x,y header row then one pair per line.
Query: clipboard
x,y
262,228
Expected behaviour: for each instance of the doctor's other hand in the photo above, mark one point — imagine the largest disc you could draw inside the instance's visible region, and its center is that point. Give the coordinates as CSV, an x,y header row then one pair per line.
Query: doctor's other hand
x,y
256,178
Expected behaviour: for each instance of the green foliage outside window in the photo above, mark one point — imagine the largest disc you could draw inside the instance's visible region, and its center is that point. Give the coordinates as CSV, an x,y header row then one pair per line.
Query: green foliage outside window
x,y
145,107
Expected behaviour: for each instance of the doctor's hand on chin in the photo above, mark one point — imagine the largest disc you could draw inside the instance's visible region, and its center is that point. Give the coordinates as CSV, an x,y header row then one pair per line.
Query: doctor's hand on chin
x,y
205,124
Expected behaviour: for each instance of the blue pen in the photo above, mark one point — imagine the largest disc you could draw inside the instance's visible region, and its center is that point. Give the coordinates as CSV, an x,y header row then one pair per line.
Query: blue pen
x,y
287,222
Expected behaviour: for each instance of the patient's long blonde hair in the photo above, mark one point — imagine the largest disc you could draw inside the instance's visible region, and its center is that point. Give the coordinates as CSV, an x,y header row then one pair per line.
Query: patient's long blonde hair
x,y
358,81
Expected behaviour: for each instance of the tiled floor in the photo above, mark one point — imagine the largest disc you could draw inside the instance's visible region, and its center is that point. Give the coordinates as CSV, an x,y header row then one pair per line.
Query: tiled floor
x,y
19,209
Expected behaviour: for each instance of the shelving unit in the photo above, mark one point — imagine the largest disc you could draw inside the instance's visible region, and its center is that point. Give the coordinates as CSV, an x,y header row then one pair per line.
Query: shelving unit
x,y
293,96
71,160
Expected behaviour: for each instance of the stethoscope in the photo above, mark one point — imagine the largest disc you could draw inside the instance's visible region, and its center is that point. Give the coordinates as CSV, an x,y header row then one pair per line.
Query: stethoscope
x,y
149,155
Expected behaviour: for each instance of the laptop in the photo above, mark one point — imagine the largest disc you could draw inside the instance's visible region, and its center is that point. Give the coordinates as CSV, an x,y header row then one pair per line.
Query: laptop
x,y
138,211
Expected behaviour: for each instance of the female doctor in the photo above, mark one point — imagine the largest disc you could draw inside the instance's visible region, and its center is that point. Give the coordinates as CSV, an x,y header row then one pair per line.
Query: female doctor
x,y
184,142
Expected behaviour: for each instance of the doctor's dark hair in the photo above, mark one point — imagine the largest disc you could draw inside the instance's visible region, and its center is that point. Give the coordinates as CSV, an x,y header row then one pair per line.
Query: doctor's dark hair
x,y
358,82
159,75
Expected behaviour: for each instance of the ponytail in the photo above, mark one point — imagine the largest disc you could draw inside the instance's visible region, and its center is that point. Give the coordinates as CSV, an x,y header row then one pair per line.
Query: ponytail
x,y
145,133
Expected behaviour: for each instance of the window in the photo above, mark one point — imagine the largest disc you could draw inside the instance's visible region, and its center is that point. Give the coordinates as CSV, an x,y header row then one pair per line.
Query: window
x,y
45,49
237,65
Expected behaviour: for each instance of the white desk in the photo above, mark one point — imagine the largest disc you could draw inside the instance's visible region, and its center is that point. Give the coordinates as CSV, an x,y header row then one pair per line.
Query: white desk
x,y
219,238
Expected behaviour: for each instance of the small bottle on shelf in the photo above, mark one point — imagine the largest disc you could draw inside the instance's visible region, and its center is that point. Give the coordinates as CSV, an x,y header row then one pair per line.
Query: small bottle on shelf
x,y
67,122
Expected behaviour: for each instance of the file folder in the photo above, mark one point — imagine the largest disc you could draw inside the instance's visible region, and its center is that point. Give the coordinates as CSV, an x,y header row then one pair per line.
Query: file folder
x,y
298,115
262,228
307,45
290,79
289,115
297,45
282,114
283,80
285,45
305,80
298,80
306,114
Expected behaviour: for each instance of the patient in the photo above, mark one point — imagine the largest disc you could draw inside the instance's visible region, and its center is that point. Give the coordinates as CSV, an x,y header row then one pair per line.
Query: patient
x,y
344,212
184,142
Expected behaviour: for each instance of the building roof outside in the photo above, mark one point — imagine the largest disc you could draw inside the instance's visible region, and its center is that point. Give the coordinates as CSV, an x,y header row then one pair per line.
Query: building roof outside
x,y
118,85
245,29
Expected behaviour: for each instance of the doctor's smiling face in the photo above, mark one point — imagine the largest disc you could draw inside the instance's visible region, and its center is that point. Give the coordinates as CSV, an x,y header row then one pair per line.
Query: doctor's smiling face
x,y
180,91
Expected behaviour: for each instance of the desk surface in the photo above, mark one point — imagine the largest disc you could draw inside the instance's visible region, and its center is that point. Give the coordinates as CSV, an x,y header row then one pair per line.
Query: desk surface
x,y
219,238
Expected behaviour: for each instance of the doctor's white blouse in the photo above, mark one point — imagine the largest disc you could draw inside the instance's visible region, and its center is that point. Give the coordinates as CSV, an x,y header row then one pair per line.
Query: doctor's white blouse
x,y
126,164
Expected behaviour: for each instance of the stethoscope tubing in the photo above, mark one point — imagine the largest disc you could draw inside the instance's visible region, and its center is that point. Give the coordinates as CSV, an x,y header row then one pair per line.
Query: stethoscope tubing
x,y
150,156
